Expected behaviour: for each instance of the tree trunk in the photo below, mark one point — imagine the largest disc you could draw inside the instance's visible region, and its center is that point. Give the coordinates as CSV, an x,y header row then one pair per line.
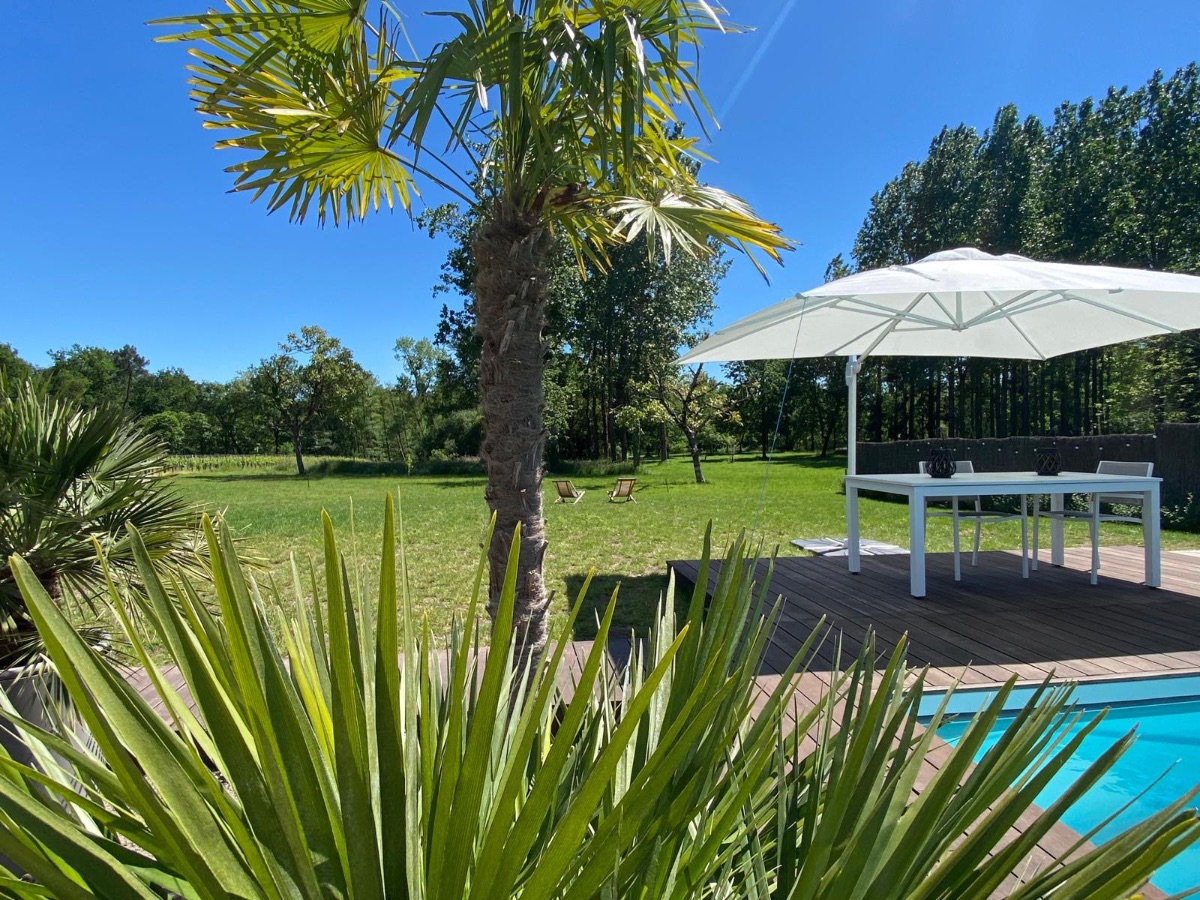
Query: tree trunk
x,y
664,443
296,444
510,300
694,450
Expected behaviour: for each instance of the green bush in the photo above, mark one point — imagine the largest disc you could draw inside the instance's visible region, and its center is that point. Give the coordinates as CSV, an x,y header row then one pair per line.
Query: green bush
x,y
593,468
366,467
322,767
1182,516
455,467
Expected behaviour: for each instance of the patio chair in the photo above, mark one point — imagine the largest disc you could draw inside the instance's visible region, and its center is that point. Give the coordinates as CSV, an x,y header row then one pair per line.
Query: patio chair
x,y
976,513
623,490
1094,514
567,491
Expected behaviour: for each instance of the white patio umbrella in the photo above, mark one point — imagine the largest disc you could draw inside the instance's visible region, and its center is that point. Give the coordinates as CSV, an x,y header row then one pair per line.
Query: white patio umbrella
x,y
960,303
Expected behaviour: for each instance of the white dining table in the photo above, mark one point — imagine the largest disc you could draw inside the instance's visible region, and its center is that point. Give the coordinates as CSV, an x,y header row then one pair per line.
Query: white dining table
x,y
920,488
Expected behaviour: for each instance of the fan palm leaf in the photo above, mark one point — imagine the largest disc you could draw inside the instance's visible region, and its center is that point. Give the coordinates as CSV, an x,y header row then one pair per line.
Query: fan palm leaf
x,y
74,479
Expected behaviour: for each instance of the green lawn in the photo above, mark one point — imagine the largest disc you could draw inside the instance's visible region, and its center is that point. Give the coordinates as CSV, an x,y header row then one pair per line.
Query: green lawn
x,y
626,544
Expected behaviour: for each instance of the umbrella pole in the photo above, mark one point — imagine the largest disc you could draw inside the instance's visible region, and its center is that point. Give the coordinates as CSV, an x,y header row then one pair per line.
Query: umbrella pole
x,y
852,367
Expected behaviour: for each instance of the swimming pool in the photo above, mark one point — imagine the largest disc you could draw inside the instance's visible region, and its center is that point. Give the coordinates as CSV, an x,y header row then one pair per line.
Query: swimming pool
x,y
1166,712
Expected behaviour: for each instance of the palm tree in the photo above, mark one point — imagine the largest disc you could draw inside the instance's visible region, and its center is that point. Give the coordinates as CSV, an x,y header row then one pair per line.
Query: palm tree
x,y
71,480
575,104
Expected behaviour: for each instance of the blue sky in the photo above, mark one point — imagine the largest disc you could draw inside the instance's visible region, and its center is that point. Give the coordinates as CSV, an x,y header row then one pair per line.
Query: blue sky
x,y
118,227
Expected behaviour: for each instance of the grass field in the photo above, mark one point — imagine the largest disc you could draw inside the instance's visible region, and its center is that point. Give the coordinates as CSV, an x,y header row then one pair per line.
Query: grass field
x,y
626,544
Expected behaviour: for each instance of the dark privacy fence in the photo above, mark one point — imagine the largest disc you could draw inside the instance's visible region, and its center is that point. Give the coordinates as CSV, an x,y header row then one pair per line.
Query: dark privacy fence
x,y
1174,450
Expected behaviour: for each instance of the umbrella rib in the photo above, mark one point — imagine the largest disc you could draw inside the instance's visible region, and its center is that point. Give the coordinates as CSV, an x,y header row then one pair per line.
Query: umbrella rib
x,y
954,323
1146,320
723,337
1013,322
903,316
755,320
837,351
891,326
1003,308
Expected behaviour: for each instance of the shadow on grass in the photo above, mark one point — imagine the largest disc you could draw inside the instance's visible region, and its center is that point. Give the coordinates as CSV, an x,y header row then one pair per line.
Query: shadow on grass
x,y
637,606
293,478
464,481
637,602
251,476
810,462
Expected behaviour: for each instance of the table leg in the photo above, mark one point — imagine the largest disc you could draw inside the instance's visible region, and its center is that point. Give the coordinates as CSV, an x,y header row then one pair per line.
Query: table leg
x,y
852,530
916,544
1025,536
957,542
1152,537
1056,530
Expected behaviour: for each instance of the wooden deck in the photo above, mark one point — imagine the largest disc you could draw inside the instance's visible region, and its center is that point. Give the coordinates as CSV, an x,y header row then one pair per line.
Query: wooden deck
x,y
991,625
994,624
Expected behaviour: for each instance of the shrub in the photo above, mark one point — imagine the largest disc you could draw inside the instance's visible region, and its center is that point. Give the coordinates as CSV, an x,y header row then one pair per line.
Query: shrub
x,y
1182,516
593,468
367,467
340,773
284,465
457,467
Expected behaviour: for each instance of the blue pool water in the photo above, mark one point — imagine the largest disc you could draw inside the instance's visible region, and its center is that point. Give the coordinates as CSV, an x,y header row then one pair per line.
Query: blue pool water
x,y
1168,735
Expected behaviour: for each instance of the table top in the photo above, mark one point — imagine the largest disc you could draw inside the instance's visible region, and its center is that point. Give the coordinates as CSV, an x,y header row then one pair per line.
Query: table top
x,y
1015,482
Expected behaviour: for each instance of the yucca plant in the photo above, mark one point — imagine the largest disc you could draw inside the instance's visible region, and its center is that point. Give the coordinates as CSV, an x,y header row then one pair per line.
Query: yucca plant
x,y
359,760
71,479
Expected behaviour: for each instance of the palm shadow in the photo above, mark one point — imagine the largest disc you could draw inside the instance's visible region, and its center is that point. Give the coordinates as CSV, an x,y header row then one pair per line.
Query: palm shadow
x,y
638,598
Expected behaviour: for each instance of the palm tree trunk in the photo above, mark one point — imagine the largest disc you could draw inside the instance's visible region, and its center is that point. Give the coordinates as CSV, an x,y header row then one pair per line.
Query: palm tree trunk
x,y
510,302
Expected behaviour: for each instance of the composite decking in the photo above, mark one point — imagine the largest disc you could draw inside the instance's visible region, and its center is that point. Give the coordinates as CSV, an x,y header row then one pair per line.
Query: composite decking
x,y
989,626
994,624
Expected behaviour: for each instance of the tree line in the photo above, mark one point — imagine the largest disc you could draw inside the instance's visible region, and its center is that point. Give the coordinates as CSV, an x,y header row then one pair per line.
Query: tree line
x,y
1114,181
612,389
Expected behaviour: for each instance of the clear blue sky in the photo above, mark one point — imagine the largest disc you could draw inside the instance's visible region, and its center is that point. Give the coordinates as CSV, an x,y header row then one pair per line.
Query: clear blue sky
x,y
117,227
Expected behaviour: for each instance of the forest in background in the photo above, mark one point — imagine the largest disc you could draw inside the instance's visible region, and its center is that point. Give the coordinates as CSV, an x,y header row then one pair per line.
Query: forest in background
x,y
1113,181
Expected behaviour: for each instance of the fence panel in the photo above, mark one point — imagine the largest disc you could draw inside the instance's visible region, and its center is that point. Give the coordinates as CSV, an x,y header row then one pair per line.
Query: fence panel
x,y
1178,461
1174,450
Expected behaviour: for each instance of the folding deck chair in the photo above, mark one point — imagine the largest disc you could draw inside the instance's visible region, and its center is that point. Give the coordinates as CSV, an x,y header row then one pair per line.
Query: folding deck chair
x,y
623,490
567,491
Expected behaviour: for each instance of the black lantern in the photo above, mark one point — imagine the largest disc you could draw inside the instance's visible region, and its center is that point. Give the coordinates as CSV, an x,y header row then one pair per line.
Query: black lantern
x,y
1047,461
941,462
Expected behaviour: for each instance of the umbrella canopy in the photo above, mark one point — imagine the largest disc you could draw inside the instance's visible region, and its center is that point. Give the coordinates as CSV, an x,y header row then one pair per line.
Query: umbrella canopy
x,y
964,303
961,303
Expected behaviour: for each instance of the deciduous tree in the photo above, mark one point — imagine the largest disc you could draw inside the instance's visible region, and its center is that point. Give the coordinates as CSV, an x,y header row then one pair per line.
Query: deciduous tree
x,y
312,375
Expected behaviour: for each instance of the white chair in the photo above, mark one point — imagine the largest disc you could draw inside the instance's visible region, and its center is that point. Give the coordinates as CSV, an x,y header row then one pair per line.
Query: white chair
x,y
979,515
1094,515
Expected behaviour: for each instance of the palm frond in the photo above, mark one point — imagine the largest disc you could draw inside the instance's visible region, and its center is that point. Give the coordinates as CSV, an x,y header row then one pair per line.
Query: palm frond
x,y
309,89
575,98
75,479
691,217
